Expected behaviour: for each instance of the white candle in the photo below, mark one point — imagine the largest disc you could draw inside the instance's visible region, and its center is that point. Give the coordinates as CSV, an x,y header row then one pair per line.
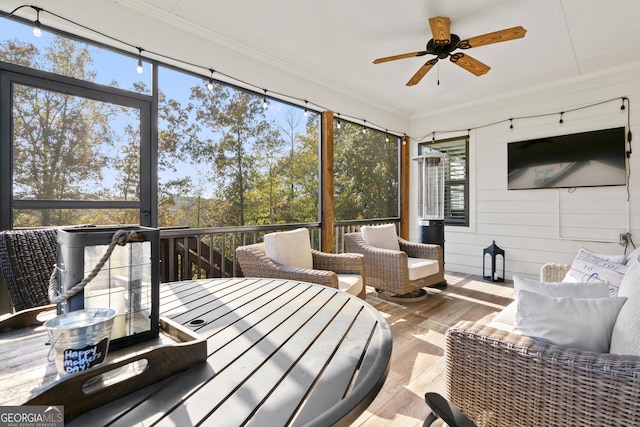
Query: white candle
x,y
115,298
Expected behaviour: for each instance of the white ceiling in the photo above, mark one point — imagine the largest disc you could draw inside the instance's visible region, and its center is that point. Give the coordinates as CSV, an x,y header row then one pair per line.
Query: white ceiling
x,y
333,42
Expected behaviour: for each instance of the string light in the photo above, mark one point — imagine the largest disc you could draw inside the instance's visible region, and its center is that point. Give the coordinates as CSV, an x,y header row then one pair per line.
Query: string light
x,y
561,121
305,109
364,126
339,122
265,103
37,27
210,84
139,68
38,31
386,136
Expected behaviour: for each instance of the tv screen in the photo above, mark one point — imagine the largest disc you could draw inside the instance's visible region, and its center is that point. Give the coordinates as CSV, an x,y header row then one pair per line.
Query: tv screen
x,y
587,159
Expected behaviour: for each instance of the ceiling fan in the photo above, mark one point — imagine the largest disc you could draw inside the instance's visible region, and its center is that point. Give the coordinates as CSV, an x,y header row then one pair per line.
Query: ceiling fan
x,y
444,43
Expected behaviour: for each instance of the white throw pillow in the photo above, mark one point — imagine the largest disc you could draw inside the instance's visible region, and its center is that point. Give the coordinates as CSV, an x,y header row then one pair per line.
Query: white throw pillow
x,y
587,267
561,289
290,248
625,338
381,236
582,323
619,259
550,289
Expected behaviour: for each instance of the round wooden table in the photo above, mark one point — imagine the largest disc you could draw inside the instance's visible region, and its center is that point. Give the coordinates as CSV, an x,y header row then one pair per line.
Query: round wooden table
x,y
279,353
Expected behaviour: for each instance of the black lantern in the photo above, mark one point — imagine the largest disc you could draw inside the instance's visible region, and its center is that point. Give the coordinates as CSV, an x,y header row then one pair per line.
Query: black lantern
x,y
493,251
112,267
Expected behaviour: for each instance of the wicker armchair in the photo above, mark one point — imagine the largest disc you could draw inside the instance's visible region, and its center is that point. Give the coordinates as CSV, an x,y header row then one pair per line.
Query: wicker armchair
x,y
552,272
499,378
27,258
388,269
326,267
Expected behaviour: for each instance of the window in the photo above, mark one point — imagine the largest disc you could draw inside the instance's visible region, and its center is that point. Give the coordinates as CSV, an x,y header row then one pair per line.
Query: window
x,y
225,160
366,172
78,143
456,186
74,153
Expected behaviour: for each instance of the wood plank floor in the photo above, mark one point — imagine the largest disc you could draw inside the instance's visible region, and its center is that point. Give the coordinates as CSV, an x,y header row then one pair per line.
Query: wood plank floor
x,y
417,362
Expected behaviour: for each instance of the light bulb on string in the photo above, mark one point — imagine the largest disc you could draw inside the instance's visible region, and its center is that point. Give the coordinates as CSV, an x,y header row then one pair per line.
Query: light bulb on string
x,y
364,126
139,67
511,124
265,103
210,84
622,107
561,120
305,109
339,123
37,27
386,136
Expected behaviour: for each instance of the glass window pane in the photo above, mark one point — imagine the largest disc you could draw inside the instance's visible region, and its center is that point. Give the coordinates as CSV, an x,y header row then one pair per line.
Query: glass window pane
x,y
225,160
71,58
366,173
68,147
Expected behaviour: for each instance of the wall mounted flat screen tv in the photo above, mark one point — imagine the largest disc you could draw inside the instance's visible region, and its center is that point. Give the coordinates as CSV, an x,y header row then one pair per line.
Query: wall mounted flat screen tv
x,y
587,159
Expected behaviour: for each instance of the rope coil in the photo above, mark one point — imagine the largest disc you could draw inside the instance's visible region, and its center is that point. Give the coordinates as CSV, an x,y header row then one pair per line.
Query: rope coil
x,y
120,238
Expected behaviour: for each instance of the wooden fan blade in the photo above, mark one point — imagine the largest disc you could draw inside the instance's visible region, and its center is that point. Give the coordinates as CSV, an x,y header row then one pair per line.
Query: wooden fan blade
x,y
440,28
495,37
422,72
401,56
470,64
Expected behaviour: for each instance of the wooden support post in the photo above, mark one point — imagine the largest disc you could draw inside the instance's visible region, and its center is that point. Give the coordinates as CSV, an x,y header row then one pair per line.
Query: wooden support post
x,y
327,234
404,187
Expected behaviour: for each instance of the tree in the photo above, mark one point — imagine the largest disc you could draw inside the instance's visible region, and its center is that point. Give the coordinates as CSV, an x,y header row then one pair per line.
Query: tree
x,y
57,137
366,174
238,119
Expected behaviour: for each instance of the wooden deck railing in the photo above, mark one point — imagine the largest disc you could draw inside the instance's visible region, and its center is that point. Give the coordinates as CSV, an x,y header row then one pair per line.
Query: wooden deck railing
x,y
187,253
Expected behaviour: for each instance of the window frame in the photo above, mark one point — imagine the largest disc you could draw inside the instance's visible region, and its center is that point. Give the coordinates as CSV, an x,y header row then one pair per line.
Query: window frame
x,y
449,219
10,74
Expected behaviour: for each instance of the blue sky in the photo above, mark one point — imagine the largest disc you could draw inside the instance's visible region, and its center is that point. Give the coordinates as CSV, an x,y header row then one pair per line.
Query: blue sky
x,y
111,66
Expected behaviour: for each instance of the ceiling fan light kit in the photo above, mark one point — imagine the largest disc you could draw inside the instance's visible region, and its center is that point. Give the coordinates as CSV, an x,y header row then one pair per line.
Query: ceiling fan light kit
x,y
444,43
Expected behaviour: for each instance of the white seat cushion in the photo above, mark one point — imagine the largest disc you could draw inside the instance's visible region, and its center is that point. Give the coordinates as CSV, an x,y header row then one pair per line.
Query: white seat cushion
x,y
420,267
350,283
290,248
381,236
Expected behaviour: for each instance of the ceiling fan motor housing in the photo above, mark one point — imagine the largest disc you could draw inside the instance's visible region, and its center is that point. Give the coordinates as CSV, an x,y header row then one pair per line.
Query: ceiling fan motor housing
x,y
442,48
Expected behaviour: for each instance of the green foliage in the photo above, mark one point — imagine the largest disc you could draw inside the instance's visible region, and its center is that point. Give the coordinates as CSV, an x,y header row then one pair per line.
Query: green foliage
x,y
366,174
223,160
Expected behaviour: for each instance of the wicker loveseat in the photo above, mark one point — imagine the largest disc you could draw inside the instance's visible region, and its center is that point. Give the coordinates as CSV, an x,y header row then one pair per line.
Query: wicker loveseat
x,y
500,378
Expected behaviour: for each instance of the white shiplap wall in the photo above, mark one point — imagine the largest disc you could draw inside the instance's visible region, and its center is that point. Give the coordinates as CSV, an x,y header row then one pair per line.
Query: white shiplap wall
x,y
537,226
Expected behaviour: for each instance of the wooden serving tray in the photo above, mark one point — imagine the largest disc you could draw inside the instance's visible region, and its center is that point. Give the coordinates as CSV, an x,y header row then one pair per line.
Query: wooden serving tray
x,y
27,377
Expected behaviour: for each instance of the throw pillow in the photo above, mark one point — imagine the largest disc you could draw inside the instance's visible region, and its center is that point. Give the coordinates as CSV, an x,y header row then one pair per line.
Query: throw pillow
x,y
619,259
582,323
550,289
587,267
381,236
290,248
561,289
625,338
